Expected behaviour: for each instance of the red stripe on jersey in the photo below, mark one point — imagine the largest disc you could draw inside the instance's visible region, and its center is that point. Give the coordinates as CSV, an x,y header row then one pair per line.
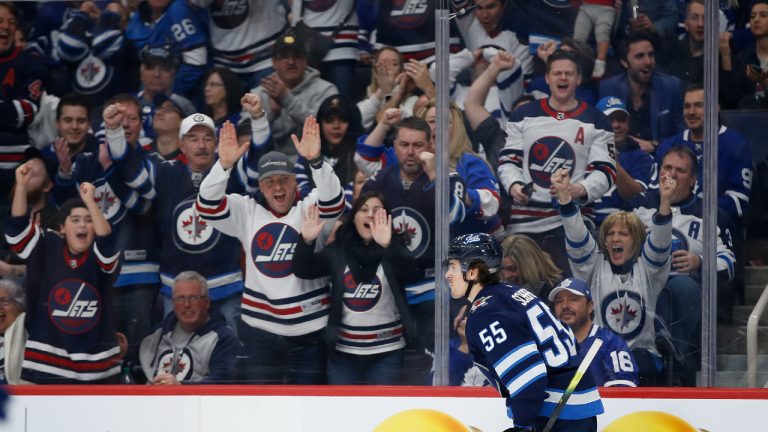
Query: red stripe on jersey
x,y
518,212
70,364
218,209
20,246
354,336
334,209
29,112
285,311
12,157
565,115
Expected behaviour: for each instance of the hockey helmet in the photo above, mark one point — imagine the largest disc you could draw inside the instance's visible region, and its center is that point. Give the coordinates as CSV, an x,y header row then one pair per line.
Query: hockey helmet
x,y
477,247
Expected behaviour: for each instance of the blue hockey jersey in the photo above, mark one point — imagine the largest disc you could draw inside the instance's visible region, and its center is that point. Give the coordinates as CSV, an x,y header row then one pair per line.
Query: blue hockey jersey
x,y
528,354
614,365
734,168
184,29
70,324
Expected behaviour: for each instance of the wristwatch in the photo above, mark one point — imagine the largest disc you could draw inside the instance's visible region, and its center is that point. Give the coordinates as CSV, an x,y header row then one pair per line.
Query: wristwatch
x,y
259,114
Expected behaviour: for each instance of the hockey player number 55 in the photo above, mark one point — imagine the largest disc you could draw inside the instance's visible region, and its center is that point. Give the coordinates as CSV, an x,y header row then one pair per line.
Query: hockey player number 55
x,y
497,335
549,334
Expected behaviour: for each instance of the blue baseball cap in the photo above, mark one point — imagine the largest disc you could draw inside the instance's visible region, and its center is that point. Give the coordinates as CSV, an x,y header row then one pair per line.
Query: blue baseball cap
x,y
610,104
574,285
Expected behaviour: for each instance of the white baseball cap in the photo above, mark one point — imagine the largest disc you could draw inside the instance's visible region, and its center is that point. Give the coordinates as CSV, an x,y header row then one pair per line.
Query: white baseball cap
x,y
196,119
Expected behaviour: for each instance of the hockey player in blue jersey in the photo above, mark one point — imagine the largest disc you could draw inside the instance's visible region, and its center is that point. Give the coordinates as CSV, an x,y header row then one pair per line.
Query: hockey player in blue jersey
x,y
527,353
614,365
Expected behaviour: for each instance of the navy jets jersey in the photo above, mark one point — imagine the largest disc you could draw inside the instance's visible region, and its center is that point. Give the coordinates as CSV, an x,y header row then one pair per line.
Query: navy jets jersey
x,y
541,140
734,168
614,365
528,354
70,324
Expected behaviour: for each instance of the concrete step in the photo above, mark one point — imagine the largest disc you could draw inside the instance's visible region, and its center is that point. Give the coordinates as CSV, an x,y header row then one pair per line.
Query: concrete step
x,y
752,293
741,315
754,275
738,362
732,339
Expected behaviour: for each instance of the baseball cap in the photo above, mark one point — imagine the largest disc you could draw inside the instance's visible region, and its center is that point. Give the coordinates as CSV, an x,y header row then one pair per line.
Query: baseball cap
x,y
289,41
182,105
196,119
611,104
160,54
274,163
574,285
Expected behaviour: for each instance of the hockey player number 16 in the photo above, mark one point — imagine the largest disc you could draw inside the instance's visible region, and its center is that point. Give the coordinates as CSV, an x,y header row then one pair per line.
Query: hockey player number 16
x,y
497,335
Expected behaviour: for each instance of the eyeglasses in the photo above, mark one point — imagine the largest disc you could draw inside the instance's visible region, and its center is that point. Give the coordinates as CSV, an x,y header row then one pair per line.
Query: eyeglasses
x,y
191,299
5,301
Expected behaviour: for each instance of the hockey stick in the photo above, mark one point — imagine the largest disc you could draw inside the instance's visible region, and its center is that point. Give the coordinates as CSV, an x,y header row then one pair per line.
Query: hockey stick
x,y
574,382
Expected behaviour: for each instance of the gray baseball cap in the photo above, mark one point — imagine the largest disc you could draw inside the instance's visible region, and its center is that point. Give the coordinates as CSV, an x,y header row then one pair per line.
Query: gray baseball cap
x,y
274,163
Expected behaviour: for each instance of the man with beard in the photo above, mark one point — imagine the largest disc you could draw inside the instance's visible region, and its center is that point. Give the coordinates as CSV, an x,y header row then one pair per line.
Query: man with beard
x,y
614,365
653,98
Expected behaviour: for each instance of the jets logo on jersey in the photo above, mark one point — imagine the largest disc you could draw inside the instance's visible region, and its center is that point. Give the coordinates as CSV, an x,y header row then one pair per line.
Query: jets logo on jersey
x,y
272,249
478,303
547,155
193,234
409,14
414,227
361,297
91,75
624,313
229,14
319,5
108,202
181,362
73,306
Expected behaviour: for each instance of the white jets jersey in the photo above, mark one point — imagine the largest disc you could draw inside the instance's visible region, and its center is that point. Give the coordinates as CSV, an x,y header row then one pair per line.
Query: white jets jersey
x,y
370,321
244,31
541,140
338,19
624,303
274,299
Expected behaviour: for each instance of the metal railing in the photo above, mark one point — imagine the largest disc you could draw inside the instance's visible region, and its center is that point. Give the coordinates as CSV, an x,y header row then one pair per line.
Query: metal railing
x,y
752,323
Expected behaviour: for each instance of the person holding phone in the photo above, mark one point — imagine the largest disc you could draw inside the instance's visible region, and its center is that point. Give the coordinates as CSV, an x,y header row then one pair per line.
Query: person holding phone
x,y
750,66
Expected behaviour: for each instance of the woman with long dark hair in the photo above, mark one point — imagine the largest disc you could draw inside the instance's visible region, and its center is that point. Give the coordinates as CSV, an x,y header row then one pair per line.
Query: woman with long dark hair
x,y
369,323
339,128
222,90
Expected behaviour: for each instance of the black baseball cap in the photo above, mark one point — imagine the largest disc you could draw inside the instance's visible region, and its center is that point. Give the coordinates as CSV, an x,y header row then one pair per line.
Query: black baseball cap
x,y
289,41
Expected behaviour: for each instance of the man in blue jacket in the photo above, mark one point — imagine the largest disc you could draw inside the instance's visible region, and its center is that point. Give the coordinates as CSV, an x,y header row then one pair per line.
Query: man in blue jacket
x,y
654,99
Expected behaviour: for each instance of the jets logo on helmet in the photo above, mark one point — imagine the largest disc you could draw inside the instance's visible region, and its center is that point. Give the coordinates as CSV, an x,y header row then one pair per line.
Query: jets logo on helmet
x,y
477,247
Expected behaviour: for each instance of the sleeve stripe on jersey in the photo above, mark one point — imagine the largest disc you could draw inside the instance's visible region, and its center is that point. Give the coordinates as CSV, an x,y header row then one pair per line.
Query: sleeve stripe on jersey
x,y
653,262
108,264
332,208
526,378
655,248
209,207
577,244
514,357
25,112
23,243
619,383
575,260
737,199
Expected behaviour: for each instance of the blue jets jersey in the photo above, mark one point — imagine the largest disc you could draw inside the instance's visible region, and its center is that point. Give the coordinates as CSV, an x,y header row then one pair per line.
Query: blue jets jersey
x,y
541,140
614,365
182,28
734,168
70,324
528,354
